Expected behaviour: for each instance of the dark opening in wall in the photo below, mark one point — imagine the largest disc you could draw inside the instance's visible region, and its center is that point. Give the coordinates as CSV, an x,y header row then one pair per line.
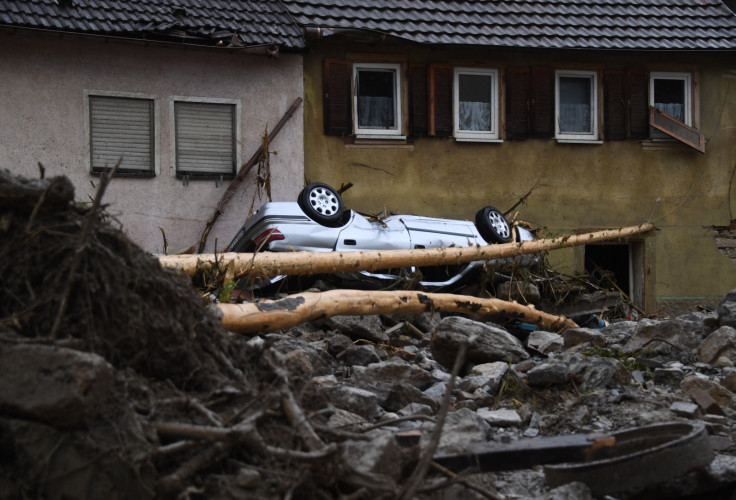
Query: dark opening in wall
x,y
612,261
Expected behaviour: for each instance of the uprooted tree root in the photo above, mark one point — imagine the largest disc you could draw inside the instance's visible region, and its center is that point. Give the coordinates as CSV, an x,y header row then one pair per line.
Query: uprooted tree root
x,y
193,411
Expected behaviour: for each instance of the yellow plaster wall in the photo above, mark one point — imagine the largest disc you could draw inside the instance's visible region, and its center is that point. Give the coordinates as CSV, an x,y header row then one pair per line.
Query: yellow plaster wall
x,y
574,186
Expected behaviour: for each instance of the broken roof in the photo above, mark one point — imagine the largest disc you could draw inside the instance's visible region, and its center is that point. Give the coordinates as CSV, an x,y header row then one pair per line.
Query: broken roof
x,y
539,24
203,22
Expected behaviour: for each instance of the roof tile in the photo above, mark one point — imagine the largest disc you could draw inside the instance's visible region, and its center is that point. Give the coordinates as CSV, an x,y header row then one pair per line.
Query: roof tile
x,y
548,24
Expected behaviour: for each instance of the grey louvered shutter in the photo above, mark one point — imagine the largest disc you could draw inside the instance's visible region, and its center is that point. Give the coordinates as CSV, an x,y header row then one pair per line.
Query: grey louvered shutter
x,y
205,138
121,127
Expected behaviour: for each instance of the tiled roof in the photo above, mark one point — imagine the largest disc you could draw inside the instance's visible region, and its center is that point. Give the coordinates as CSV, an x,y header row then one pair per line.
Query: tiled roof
x,y
544,24
190,21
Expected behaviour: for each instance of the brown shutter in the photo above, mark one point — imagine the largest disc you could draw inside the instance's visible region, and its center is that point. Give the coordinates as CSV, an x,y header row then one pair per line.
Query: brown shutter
x,y
675,128
419,100
337,97
637,96
518,90
543,102
440,103
615,106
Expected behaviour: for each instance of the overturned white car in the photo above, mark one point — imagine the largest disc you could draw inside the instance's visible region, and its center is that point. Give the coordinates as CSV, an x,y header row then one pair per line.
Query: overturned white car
x,y
318,222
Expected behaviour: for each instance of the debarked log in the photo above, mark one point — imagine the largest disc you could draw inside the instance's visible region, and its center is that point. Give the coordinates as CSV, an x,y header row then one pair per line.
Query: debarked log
x,y
273,315
265,264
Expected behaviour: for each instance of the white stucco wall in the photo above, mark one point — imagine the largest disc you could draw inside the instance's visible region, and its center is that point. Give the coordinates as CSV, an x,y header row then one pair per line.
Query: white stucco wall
x,y
43,80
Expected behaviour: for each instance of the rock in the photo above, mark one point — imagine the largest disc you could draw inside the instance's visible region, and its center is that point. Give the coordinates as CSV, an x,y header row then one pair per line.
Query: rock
x,y
706,402
570,491
321,361
462,428
669,376
721,342
416,409
544,342
390,372
577,336
595,373
726,310
671,339
493,373
720,394
299,365
682,409
62,387
500,418
548,374
729,379
352,399
342,419
358,327
401,395
491,344
378,456
338,343
360,355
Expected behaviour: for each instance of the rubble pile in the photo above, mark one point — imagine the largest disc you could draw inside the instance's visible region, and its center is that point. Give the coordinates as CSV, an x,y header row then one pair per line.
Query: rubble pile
x,y
119,381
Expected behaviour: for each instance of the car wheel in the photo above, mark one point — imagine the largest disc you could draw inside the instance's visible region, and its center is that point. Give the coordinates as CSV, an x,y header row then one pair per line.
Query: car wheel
x,y
322,204
493,226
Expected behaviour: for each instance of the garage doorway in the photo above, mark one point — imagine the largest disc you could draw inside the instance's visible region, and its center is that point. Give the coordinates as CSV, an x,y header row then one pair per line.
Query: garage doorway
x,y
622,263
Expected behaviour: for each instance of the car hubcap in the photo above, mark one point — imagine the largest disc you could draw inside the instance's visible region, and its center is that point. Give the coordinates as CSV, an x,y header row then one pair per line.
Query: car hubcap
x,y
323,201
499,224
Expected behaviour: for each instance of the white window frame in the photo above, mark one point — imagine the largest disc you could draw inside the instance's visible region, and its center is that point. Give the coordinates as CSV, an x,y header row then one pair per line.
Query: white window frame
x,y
374,133
155,160
578,137
236,136
491,135
672,75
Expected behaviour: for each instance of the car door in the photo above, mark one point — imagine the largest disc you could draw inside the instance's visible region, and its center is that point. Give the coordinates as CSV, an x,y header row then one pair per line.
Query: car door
x,y
364,234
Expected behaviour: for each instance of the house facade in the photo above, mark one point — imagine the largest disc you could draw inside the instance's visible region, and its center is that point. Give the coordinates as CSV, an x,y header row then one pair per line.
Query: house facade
x,y
181,93
598,114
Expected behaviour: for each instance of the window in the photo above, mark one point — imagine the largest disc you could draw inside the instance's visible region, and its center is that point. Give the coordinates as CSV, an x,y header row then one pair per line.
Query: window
x,y
670,94
576,105
121,128
376,100
475,98
205,137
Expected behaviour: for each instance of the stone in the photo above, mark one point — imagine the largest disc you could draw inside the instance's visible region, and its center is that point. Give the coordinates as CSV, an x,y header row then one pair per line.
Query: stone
x,y
548,374
492,343
377,456
668,376
674,339
706,402
338,343
462,428
721,342
544,342
59,386
500,418
359,355
352,399
358,327
415,409
576,336
726,310
720,394
682,409
493,372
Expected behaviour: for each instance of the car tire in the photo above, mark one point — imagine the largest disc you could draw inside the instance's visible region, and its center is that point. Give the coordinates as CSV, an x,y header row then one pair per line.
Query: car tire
x,y
492,225
322,204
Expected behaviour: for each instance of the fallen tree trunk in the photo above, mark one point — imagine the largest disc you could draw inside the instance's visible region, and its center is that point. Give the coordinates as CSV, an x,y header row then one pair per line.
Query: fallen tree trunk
x,y
267,264
273,315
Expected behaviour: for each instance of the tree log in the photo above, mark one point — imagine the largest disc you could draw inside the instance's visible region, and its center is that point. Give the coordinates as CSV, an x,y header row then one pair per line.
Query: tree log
x,y
305,263
273,315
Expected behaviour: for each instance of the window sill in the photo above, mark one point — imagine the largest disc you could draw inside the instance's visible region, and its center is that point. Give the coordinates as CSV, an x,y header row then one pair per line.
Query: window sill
x,y
381,137
125,173
579,141
663,145
472,139
395,142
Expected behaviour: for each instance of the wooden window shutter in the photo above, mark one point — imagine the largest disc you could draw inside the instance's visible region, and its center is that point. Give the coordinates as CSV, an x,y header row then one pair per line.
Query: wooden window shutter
x,y
675,128
615,106
440,102
337,97
518,96
418,100
637,97
543,102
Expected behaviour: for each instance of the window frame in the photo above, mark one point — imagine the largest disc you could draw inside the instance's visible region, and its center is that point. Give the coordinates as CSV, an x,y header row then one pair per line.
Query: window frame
x,y
372,133
687,78
491,135
586,137
154,168
236,137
